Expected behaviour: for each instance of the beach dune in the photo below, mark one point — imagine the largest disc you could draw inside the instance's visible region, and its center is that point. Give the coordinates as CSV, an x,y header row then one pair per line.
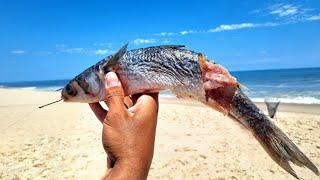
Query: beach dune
x,y
192,141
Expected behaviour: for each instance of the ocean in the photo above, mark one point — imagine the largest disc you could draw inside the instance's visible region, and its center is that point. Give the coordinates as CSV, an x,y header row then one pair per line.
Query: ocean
x,y
301,86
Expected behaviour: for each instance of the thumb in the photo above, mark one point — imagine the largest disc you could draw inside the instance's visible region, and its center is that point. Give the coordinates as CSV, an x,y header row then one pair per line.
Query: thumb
x,y
114,92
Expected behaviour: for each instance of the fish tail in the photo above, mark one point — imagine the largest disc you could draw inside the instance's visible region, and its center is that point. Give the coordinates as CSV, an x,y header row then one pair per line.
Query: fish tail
x,y
281,149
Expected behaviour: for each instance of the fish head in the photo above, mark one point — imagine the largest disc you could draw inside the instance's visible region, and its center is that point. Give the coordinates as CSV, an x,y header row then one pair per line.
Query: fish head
x,y
87,88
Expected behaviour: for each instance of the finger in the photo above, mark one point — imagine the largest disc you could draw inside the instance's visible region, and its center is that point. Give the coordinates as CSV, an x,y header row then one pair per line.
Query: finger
x,y
128,102
154,96
98,110
114,92
148,102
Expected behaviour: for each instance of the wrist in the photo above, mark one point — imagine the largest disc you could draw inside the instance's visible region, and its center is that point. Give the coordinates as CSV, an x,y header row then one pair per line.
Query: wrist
x,y
129,169
137,168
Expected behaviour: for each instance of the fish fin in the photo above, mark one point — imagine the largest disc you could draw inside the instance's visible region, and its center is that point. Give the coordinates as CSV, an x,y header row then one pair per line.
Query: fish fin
x,y
118,55
172,46
276,143
283,150
166,47
114,59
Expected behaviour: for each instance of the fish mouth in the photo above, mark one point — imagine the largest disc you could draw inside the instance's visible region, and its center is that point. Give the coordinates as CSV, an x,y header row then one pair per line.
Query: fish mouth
x,y
63,95
64,98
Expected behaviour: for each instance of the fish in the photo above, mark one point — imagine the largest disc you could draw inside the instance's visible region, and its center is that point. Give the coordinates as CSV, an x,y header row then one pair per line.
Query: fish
x,y
187,74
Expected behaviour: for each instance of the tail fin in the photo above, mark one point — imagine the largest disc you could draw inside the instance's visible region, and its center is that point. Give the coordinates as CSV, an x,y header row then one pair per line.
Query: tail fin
x,y
281,149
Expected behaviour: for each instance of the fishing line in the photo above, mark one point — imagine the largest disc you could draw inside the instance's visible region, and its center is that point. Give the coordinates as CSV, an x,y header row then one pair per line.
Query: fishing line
x,y
27,115
50,103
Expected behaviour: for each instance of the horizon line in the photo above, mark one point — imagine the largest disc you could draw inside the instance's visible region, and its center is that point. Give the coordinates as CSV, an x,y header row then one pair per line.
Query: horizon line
x,y
232,71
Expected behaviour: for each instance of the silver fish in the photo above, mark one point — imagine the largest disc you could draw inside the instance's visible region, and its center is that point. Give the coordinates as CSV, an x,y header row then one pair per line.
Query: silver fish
x,y
181,71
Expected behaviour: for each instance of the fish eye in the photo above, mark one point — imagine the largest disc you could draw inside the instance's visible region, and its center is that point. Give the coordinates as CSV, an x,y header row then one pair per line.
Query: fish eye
x,y
70,91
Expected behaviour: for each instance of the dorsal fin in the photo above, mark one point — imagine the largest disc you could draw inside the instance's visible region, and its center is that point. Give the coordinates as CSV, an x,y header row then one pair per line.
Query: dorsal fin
x,y
112,61
118,55
171,46
165,47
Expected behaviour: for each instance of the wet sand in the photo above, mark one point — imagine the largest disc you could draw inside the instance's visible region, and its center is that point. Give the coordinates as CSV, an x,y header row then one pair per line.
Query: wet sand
x,y
192,142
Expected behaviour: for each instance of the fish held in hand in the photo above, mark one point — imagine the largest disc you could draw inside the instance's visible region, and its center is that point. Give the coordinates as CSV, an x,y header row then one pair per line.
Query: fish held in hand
x,y
187,74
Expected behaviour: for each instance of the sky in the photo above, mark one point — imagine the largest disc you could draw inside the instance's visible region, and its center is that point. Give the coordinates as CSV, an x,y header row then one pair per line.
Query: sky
x,y
46,40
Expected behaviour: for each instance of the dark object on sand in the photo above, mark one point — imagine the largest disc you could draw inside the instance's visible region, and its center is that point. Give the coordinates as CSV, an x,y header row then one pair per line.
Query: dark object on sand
x,y
272,107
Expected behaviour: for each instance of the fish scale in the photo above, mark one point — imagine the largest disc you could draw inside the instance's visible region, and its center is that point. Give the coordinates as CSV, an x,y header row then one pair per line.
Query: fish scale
x,y
149,61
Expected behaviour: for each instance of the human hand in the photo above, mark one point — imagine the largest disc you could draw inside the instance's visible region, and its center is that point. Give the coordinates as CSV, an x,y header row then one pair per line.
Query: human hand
x,y
128,134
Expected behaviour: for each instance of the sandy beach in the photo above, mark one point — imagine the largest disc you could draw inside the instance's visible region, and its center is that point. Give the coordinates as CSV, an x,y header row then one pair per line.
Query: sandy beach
x,y
63,141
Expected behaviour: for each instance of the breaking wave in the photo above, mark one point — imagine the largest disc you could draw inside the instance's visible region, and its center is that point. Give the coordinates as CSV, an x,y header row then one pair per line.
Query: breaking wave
x,y
50,88
293,100
29,88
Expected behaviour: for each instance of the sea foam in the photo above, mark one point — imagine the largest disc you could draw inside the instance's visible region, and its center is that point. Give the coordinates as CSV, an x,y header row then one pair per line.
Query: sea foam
x,y
294,100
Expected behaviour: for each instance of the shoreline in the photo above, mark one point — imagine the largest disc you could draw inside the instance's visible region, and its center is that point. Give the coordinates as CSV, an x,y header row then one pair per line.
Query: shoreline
x,y
283,107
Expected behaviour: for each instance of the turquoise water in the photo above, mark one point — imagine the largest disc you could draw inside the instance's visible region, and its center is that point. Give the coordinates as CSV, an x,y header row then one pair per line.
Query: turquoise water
x,y
286,85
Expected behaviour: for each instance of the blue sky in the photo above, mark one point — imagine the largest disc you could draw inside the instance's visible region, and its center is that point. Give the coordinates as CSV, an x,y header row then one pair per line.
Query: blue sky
x,y
42,40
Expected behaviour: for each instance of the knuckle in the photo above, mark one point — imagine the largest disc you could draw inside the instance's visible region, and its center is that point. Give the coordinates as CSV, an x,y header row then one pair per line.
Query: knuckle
x,y
117,115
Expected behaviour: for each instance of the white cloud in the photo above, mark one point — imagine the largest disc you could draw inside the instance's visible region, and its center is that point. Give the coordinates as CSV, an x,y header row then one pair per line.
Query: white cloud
x,y
188,32
271,24
313,18
220,28
291,14
165,34
285,14
230,27
87,51
63,48
73,50
18,51
101,51
283,10
144,41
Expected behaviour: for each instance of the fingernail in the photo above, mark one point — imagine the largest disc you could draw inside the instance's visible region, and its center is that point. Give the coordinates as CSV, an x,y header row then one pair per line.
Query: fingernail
x,y
112,79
